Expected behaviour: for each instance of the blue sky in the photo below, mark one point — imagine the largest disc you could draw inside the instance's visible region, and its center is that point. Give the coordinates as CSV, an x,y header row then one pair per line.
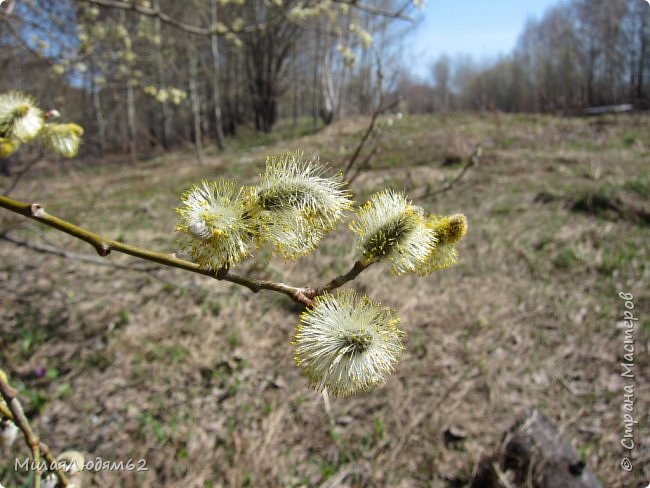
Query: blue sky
x,y
481,28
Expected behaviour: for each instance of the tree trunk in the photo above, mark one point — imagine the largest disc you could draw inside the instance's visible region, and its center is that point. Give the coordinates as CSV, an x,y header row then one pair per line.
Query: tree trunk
x,y
642,57
130,118
295,85
328,90
216,97
98,112
99,118
160,73
194,100
314,100
130,100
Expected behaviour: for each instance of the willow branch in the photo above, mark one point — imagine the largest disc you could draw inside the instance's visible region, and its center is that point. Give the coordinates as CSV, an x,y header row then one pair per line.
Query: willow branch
x,y
9,395
168,19
153,12
17,415
86,258
373,10
104,246
307,292
25,45
362,142
5,412
341,280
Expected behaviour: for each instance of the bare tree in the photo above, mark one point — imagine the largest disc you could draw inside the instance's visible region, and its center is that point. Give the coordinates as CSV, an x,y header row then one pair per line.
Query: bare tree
x,y
441,72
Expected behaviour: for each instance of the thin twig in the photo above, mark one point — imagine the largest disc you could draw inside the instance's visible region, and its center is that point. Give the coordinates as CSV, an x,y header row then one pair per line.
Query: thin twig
x,y
371,9
24,44
23,172
502,476
363,165
168,19
473,160
9,395
381,108
5,412
55,251
362,142
342,279
17,415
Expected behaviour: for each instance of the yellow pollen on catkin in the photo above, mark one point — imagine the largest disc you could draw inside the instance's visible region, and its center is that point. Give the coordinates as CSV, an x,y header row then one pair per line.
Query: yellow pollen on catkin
x,y
390,228
215,224
296,205
448,230
346,343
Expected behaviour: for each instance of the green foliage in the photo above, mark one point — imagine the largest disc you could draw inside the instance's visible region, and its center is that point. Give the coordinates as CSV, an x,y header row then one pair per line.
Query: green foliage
x,y
640,185
566,258
36,400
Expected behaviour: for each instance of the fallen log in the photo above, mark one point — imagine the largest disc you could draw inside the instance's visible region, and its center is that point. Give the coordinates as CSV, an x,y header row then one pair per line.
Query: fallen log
x,y
534,454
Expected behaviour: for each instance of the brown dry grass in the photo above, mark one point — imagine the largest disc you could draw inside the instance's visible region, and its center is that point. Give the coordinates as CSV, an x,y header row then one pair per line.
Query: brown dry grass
x,y
197,376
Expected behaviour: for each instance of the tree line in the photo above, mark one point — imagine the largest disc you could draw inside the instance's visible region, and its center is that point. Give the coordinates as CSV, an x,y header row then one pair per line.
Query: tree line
x,y
143,74
581,53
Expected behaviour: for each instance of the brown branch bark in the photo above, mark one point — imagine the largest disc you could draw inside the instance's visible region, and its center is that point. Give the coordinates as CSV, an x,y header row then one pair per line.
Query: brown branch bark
x,y
373,10
10,396
86,258
167,19
104,246
341,280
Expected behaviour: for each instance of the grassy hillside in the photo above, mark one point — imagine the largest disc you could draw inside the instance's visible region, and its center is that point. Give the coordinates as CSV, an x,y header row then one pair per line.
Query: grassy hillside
x,y
197,378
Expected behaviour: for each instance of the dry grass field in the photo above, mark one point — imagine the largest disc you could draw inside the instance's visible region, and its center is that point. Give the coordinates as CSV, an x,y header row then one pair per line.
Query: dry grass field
x,y
197,378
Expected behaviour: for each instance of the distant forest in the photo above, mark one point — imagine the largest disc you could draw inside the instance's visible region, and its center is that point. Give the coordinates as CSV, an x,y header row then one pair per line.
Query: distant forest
x,y
582,53
155,74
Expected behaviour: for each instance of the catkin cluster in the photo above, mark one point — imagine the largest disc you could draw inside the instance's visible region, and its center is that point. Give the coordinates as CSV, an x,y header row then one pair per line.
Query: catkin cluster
x,y
290,211
21,121
344,342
